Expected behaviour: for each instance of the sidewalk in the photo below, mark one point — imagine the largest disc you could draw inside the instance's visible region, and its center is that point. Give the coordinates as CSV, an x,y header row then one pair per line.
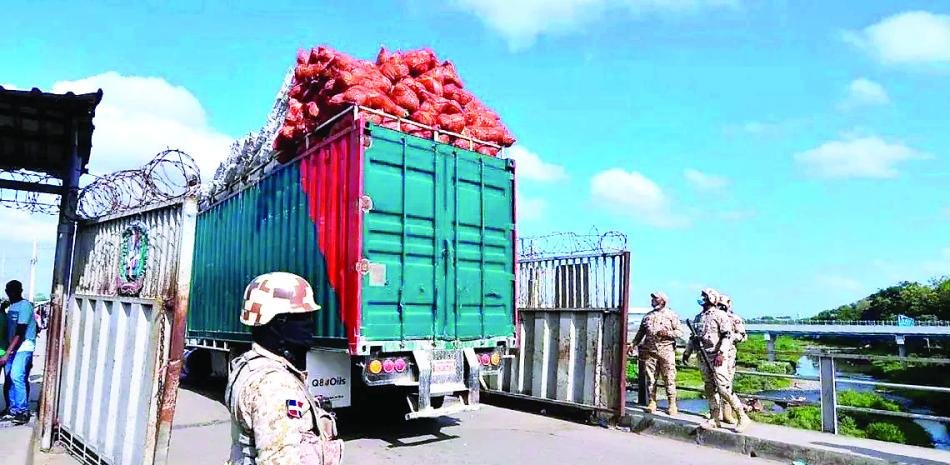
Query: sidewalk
x,y
784,443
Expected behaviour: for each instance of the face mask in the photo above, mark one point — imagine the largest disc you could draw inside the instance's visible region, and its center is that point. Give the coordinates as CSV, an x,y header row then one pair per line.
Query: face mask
x,y
701,302
287,335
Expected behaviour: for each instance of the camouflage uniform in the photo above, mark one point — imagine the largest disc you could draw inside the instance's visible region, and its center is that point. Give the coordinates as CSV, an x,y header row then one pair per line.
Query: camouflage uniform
x,y
659,352
716,337
274,420
739,335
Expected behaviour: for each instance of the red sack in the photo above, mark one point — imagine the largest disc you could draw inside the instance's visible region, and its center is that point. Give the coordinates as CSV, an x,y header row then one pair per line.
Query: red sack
x,y
450,75
454,92
427,118
405,97
413,84
380,101
487,150
294,112
451,122
303,56
312,110
382,56
423,133
432,84
488,134
296,91
420,61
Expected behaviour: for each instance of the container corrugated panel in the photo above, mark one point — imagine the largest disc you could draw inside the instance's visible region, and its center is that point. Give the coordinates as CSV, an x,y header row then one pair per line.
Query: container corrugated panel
x,y
98,247
281,224
402,239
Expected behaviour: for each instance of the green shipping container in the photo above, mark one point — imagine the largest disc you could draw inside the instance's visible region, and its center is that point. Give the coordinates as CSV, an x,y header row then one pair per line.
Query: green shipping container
x,y
408,243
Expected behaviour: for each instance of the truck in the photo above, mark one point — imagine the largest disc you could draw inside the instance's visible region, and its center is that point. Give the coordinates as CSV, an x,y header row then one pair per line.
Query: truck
x,y
409,245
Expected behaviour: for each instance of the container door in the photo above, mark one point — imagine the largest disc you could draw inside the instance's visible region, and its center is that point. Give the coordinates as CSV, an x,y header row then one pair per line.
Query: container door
x,y
405,281
477,225
438,236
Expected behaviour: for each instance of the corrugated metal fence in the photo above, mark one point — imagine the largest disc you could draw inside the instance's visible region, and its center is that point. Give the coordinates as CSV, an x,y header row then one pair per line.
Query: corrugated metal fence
x,y
572,315
121,355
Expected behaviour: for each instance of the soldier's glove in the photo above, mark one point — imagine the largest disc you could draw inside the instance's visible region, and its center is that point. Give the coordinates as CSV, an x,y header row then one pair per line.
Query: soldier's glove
x,y
717,360
632,350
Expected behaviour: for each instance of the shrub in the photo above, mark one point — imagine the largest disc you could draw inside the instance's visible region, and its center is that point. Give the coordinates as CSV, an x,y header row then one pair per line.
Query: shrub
x,y
885,432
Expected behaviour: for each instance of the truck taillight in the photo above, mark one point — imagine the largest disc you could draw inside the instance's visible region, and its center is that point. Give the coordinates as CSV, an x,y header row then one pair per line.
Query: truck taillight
x,y
389,366
484,359
495,358
400,365
375,367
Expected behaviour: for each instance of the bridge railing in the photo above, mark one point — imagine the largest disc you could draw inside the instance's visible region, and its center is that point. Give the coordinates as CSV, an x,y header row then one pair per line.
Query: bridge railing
x,y
760,321
828,383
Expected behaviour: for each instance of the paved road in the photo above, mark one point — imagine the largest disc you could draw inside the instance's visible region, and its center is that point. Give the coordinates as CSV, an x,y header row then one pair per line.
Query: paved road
x,y
491,436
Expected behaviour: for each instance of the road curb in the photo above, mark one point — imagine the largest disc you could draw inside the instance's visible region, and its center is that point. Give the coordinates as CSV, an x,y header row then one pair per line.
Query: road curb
x,y
774,449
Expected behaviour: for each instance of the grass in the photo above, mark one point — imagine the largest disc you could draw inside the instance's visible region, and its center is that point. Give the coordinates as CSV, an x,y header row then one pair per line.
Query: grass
x,y
860,425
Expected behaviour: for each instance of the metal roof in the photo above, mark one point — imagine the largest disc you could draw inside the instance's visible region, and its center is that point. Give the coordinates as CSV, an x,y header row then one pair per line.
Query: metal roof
x,y
36,129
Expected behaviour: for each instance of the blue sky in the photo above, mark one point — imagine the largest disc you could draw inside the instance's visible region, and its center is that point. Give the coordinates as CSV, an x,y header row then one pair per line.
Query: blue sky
x,y
792,154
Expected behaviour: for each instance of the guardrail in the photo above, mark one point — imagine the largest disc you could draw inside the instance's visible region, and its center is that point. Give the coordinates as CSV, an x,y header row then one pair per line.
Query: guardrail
x,y
845,322
828,382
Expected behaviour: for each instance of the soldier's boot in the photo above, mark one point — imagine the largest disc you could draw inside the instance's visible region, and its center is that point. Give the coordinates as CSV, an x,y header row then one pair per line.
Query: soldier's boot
x,y
710,424
727,415
672,410
651,407
744,422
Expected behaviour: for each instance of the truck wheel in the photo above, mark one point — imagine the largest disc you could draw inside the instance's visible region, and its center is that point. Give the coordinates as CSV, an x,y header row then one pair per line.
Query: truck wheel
x,y
437,402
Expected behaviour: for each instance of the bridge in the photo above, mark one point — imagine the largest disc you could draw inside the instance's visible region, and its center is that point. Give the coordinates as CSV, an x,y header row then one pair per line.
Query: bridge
x,y
892,328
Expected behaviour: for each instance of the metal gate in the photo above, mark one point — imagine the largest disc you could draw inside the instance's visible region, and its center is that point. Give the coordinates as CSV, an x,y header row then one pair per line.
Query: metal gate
x,y
571,313
123,335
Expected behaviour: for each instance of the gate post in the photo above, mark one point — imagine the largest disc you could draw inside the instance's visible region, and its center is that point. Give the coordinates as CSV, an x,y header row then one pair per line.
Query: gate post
x,y
829,398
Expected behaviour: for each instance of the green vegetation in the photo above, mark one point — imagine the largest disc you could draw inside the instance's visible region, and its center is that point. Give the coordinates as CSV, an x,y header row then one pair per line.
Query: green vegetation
x,y
753,350
859,425
920,301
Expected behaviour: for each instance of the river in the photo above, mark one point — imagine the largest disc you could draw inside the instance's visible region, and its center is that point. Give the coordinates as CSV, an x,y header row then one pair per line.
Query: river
x,y
808,367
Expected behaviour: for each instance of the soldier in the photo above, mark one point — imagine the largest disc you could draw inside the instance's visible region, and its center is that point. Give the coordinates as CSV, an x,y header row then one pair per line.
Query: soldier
x,y
739,335
656,339
274,420
714,339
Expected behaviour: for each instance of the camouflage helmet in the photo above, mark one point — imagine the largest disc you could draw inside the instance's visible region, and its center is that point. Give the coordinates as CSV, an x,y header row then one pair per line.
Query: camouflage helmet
x,y
725,302
276,293
660,295
710,295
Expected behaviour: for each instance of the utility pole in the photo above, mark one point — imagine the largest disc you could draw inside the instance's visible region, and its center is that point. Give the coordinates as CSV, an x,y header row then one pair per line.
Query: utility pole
x,y
33,260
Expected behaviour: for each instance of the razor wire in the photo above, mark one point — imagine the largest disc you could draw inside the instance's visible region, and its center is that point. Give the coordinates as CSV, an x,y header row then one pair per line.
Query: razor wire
x,y
562,244
170,175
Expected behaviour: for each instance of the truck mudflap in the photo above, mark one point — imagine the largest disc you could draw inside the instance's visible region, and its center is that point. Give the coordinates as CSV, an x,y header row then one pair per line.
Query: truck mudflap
x,y
445,374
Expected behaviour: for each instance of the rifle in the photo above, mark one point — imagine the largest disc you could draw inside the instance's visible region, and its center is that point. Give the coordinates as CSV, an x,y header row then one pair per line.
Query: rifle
x,y
702,353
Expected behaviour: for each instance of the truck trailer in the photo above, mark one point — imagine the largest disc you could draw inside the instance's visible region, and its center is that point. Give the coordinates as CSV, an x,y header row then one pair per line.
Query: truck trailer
x,y
409,245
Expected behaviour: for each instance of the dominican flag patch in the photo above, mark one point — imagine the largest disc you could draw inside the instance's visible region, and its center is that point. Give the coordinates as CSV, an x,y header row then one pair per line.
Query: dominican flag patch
x,y
294,408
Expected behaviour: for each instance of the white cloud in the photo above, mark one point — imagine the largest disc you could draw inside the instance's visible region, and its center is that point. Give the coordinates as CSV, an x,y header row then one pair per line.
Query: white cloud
x,y
635,195
20,227
141,116
521,22
530,166
704,181
914,37
864,157
838,283
531,208
864,92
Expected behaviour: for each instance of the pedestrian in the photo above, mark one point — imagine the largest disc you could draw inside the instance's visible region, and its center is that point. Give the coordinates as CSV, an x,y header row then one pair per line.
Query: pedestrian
x,y
739,335
714,339
656,342
4,343
274,419
18,359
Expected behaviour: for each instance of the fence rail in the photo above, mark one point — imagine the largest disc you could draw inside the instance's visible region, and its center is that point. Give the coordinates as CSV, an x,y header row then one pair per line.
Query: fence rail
x,y
828,381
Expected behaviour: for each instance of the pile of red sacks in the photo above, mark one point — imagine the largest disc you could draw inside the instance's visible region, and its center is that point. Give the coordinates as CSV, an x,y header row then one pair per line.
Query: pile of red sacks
x,y
412,85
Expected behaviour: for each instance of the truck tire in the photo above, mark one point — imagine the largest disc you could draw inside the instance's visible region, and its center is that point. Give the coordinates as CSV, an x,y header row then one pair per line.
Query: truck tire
x,y
437,402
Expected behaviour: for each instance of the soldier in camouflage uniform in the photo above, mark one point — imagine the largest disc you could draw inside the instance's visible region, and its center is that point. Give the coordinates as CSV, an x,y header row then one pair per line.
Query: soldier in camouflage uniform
x,y
656,339
739,335
274,419
715,338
